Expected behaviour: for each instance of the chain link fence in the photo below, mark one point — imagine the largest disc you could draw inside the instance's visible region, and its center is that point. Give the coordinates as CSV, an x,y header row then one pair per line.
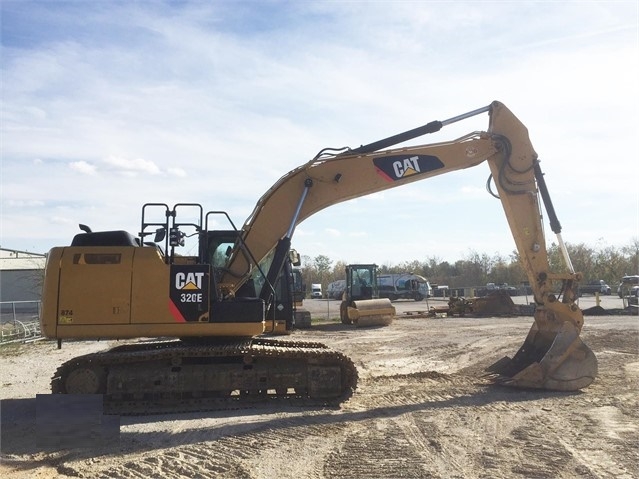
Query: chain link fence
x,y
19,321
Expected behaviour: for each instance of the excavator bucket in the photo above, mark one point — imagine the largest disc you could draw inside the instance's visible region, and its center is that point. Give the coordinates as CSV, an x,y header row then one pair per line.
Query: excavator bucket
x,y
371,312
552,357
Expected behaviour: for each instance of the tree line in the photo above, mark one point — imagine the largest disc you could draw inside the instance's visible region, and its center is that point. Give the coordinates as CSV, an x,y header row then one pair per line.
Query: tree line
x,y
476,269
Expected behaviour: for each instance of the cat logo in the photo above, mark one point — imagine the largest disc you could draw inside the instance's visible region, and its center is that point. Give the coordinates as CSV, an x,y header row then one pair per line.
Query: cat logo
x,y
189,293
189,280
407,167
395,168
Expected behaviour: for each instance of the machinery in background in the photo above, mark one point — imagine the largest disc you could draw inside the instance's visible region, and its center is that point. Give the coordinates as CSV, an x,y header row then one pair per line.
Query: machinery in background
x,y
361,304
403,286
495,303
316,291
335,290
302,315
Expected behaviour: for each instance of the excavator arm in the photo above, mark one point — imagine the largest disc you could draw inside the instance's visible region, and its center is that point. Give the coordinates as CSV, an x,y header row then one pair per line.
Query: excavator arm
x,y
552,356
329,179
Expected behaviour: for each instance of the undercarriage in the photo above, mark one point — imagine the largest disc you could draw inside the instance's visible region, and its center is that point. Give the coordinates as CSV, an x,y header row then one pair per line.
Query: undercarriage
x,y
173,376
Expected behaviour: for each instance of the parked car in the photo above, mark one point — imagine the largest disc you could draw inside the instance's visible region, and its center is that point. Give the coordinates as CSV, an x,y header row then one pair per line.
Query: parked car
x,y
593,287
492,287
511,290
629,286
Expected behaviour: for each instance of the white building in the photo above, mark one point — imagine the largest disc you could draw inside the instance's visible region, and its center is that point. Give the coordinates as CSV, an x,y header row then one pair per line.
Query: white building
x,y
21,274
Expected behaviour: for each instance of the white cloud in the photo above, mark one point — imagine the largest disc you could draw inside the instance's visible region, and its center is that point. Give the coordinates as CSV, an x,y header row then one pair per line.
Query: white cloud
x,y
179,172
61,220
131,166
24,203
83,167
471,192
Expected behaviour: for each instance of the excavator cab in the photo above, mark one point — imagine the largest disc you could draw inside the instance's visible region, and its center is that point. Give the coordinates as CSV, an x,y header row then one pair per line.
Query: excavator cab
x,y
216,247
361,304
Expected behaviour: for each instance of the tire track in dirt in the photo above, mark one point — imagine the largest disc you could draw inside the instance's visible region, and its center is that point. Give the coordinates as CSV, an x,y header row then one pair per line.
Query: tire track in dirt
x,y
585,434
572,449
236,457
375,450
597,427
434,390
242,456
416,435
439,459
197,460
551,447
595,455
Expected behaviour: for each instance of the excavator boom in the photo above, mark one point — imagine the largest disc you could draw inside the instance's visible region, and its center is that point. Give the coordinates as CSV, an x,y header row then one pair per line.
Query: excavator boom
x,y
330,179
553,356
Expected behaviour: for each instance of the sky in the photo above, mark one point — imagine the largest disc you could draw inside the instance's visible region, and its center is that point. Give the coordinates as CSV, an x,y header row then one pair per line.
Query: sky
x,y
107,105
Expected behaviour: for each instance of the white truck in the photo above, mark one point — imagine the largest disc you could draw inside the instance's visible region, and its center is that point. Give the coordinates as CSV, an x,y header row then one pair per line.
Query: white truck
x,y
316,290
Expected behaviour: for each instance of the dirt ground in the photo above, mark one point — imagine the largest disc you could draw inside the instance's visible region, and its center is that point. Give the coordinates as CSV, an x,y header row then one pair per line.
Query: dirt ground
x,y
421,410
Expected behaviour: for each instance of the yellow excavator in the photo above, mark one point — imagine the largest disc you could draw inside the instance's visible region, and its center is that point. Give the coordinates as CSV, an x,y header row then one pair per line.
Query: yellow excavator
x,y
217,305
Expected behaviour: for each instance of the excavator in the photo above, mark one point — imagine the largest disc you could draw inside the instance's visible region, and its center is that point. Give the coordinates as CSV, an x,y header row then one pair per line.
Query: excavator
x,y
211,310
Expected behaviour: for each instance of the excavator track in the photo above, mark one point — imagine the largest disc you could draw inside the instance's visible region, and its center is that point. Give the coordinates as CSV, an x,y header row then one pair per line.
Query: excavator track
x,y
173,376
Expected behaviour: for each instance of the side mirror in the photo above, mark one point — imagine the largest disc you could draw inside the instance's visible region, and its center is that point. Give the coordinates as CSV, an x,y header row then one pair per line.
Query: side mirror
x,y
160,234
294,257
